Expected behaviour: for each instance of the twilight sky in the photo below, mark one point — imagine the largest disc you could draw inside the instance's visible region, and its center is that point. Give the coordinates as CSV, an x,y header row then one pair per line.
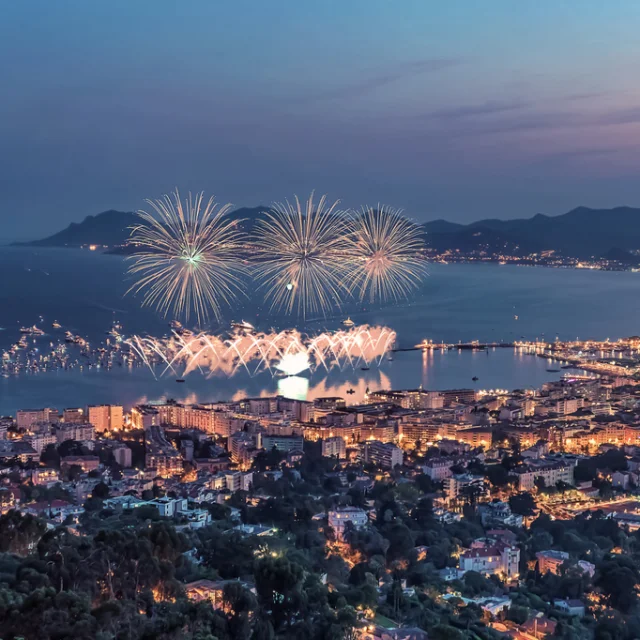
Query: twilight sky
x,y
454,108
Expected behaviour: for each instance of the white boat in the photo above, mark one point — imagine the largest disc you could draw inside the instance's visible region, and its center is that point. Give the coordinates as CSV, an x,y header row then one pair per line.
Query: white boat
x,y
348,322
32,330
243,326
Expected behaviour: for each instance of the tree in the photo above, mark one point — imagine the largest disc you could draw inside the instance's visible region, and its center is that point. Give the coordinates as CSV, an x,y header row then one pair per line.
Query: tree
x,y
617,576
19,533
523,504
498,475
240,602
280,593
101,490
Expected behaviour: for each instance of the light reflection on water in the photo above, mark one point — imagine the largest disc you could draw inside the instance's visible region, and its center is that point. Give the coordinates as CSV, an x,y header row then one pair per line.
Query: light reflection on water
x,y
500,368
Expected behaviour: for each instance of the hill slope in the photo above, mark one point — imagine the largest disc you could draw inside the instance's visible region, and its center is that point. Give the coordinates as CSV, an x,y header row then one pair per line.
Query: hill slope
x,y
580,233
112,228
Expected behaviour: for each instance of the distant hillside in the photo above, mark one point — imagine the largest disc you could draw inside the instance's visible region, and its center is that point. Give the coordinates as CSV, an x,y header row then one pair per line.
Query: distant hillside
x,y
580,233
112,228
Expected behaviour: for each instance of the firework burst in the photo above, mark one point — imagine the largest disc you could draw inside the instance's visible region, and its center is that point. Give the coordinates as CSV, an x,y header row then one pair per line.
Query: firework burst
x,y
300,261
385,255
187,258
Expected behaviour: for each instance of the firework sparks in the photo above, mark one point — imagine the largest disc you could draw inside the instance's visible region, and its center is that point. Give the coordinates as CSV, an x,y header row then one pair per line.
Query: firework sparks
x,y
385,259
188,257
285,351
301,256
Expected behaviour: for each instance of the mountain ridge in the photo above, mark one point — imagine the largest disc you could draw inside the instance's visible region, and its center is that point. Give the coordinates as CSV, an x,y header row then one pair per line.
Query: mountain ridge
x,y
580,232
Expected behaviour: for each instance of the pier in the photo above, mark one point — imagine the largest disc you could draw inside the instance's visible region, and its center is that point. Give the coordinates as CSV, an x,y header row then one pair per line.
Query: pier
x,y
475,345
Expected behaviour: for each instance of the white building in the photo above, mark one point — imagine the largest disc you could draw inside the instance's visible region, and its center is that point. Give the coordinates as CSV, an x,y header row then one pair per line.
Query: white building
x,y
338,519
457,484
238,481
168,507
438,468
334,446
122,455
75,431
40,441
499,558
550,472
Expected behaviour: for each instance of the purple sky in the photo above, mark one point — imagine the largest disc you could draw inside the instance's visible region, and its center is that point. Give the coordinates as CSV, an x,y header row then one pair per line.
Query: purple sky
x,y
460,110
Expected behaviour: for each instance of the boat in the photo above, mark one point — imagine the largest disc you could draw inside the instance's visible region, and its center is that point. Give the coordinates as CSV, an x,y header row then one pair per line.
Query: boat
x,y
348,322
32,331
475,378
364,368
515,317
553,370
243,326
179,379
56,325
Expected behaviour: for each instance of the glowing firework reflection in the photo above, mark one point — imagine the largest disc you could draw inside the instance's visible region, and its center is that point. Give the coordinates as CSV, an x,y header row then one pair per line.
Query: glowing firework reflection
x,y
294,387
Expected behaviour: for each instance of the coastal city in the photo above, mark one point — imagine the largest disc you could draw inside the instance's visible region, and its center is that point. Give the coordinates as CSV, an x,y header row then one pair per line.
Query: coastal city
x,y
319,320
506,513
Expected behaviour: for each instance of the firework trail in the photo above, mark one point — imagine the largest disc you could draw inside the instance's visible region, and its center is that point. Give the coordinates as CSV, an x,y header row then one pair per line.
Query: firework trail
x,y
187,258
289,352
300,260
385,260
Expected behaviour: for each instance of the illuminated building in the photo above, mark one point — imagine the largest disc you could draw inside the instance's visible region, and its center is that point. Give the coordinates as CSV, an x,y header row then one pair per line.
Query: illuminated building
x,y
476,436
74,431
212,591
242,447
86,463
144,417
329,403
551,560
498,558
457,484
438,468
422,432
73,416
382,431
44,476
464,396
238,481
26,417
105,417
281,443
551,473
334,447
40,441
383,455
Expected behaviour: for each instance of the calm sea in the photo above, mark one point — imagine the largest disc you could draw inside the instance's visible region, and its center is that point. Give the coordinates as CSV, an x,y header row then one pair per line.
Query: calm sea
x,y
85,292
